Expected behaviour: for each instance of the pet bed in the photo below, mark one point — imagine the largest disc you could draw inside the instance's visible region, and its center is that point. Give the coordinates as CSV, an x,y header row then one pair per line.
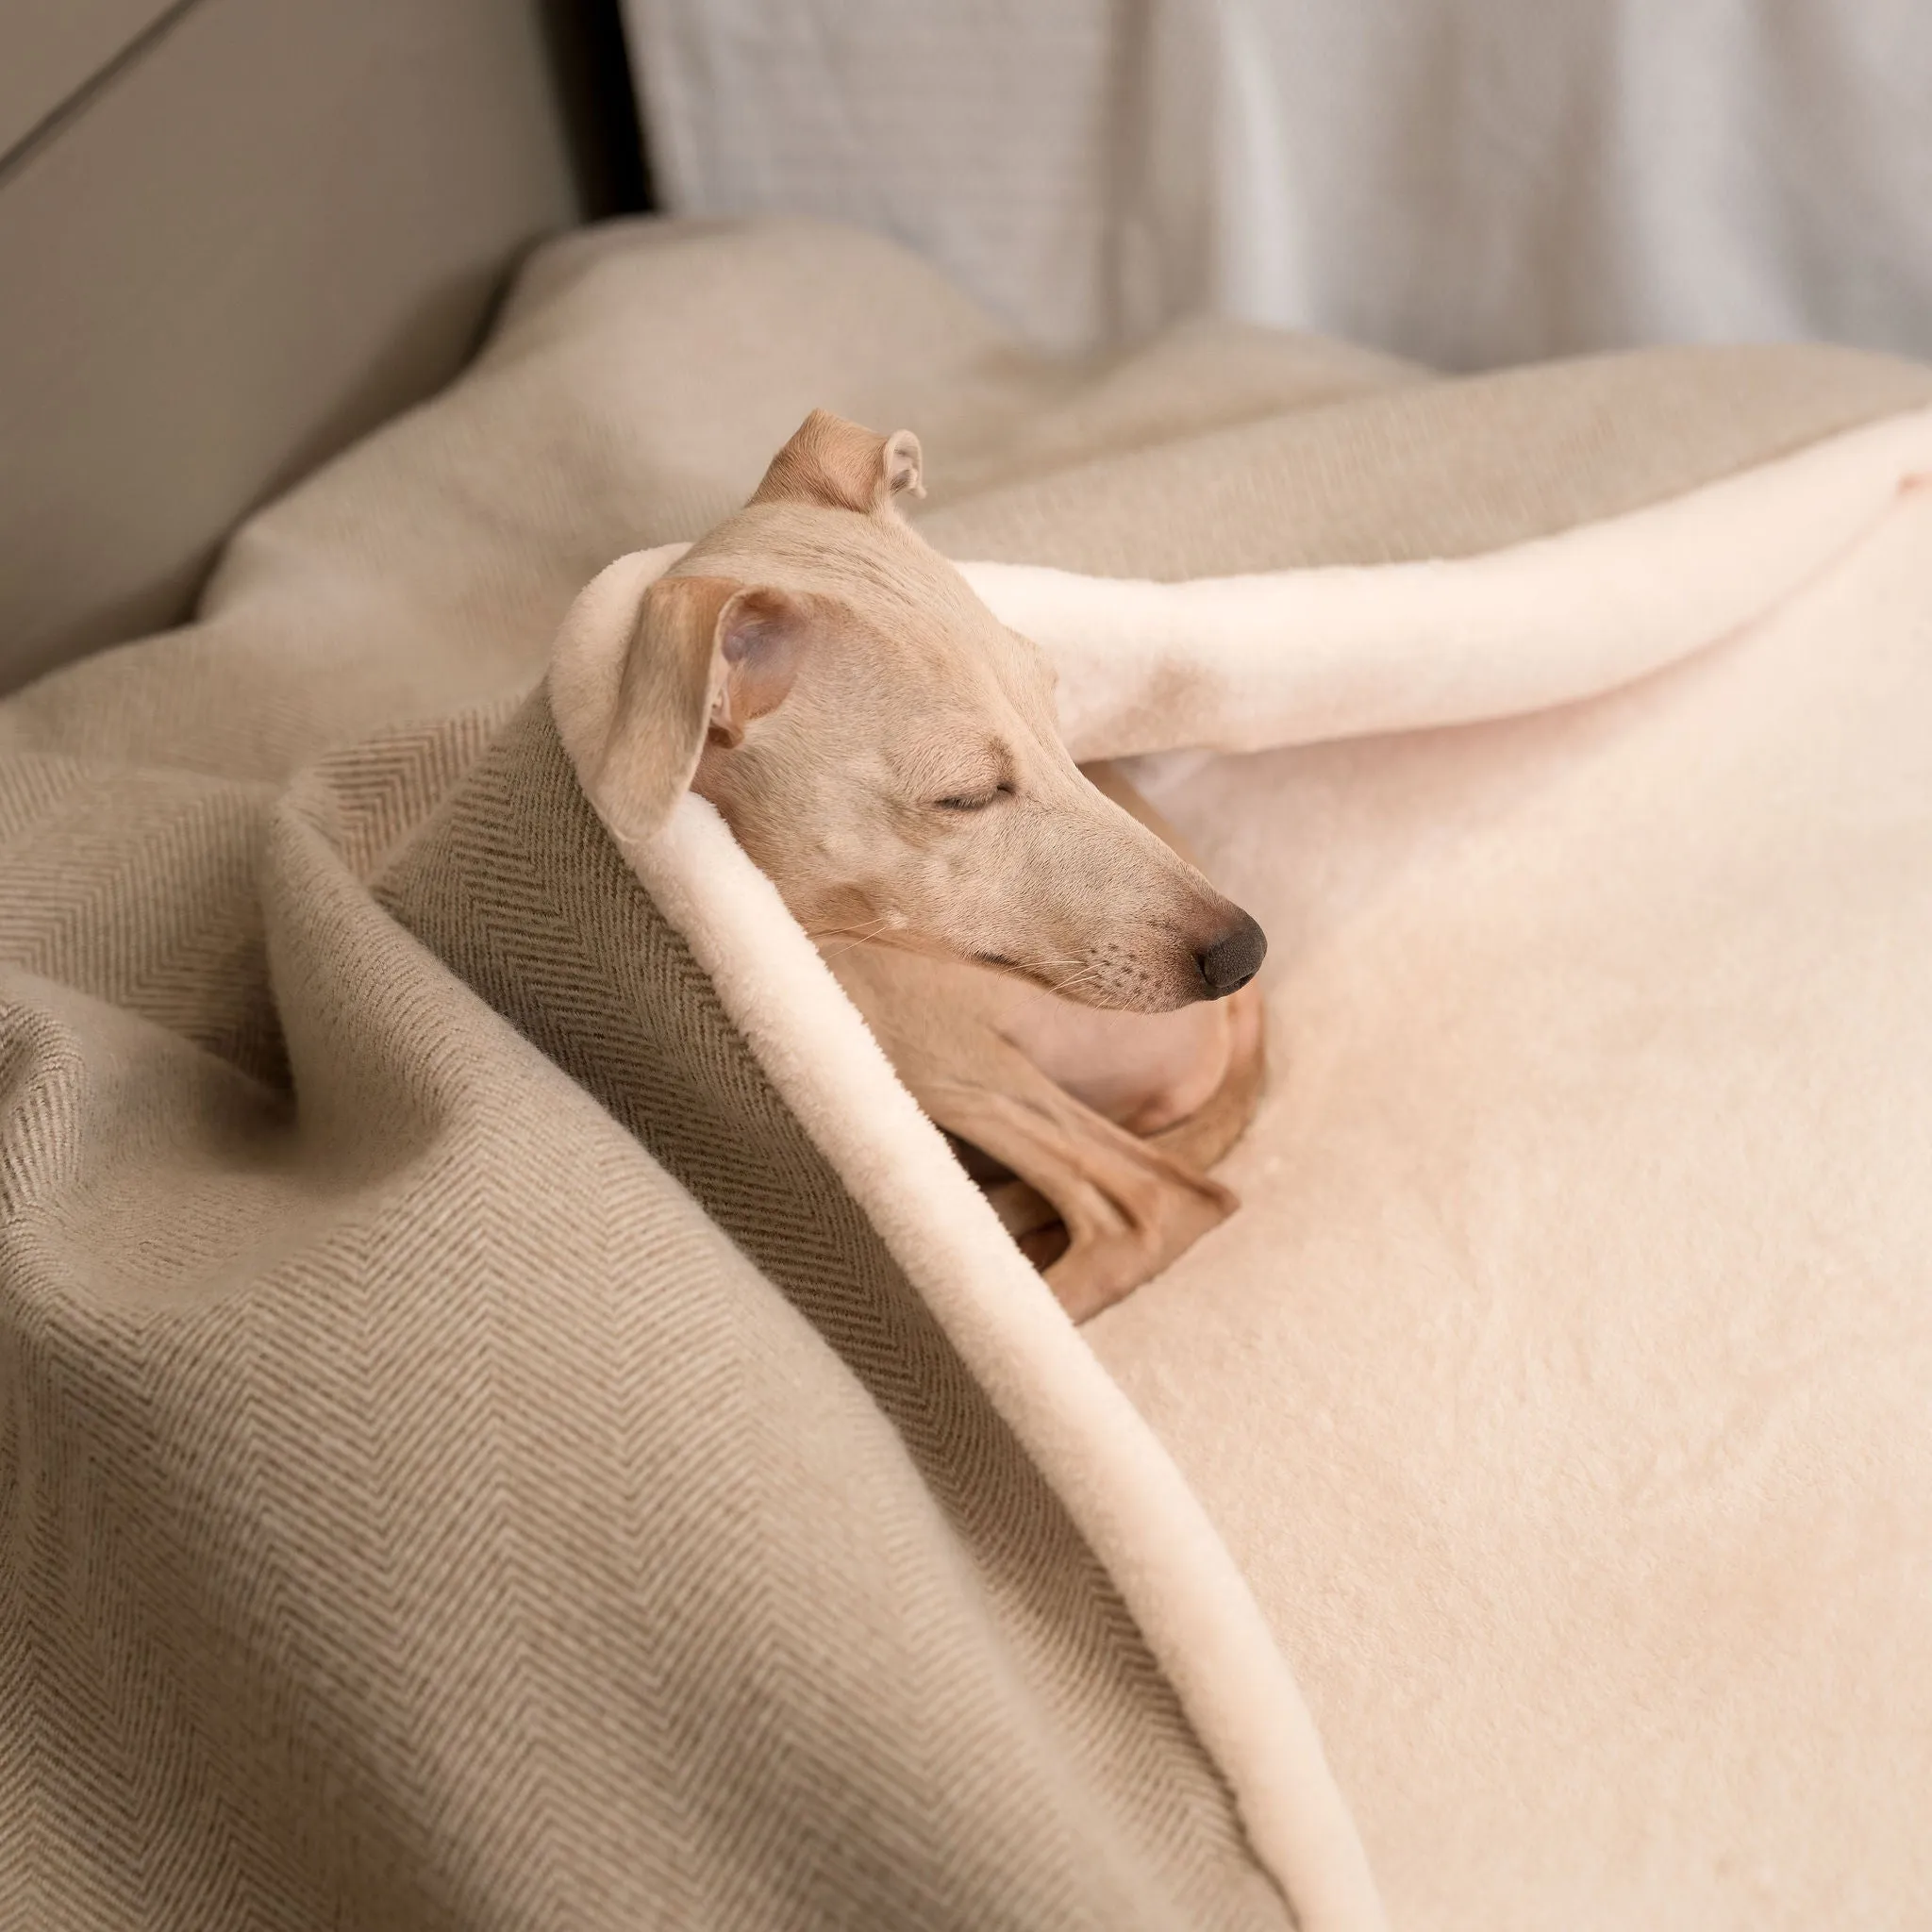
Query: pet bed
x,y
511,1416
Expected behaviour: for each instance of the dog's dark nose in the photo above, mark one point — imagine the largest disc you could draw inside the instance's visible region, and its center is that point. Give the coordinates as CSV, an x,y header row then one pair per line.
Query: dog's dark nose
x,y
1234,959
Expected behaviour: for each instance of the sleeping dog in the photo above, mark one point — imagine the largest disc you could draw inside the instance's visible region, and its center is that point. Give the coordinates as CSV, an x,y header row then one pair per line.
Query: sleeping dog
x,y
1060,989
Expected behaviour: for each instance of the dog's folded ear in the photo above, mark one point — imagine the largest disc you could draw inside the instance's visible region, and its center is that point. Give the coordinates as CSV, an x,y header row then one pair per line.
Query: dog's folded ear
x,y
837,465
645,673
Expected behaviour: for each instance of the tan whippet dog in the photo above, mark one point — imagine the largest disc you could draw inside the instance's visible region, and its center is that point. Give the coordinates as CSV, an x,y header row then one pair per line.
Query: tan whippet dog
x,y
1060,989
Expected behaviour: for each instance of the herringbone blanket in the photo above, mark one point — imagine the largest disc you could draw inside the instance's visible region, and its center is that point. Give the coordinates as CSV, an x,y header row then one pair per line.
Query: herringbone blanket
x,y
505,1421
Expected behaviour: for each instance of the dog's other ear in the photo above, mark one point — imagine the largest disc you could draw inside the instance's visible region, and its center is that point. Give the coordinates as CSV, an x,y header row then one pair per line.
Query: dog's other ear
x,y
837,465
640,683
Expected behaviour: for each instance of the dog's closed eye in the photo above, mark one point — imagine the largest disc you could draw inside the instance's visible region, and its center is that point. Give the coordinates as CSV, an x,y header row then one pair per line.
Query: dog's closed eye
x,y
975,801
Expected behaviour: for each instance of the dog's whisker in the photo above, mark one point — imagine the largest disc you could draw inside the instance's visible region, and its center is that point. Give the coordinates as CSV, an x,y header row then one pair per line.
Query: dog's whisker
x,y
846,933
1087,976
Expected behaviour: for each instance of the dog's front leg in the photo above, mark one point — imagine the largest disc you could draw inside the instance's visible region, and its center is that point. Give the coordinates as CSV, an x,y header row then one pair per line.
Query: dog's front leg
x,y
1129,1205
1129,1209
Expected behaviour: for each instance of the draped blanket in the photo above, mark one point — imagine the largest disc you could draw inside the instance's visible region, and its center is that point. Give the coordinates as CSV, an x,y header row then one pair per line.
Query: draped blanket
x,y
509,1417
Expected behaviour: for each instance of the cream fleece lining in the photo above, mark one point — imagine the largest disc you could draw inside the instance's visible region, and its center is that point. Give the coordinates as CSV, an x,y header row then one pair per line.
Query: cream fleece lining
x,y
1234,664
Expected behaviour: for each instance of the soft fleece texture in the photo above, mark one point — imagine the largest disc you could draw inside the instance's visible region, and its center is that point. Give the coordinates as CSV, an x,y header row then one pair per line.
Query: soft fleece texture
x,y
472,1458
1571,1360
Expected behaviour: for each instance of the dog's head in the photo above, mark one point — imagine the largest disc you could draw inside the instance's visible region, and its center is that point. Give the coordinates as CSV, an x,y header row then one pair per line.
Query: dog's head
x,y
881,744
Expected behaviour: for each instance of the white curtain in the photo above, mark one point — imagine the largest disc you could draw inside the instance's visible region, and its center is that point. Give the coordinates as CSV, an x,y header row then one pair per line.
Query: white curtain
x,y
1467,182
